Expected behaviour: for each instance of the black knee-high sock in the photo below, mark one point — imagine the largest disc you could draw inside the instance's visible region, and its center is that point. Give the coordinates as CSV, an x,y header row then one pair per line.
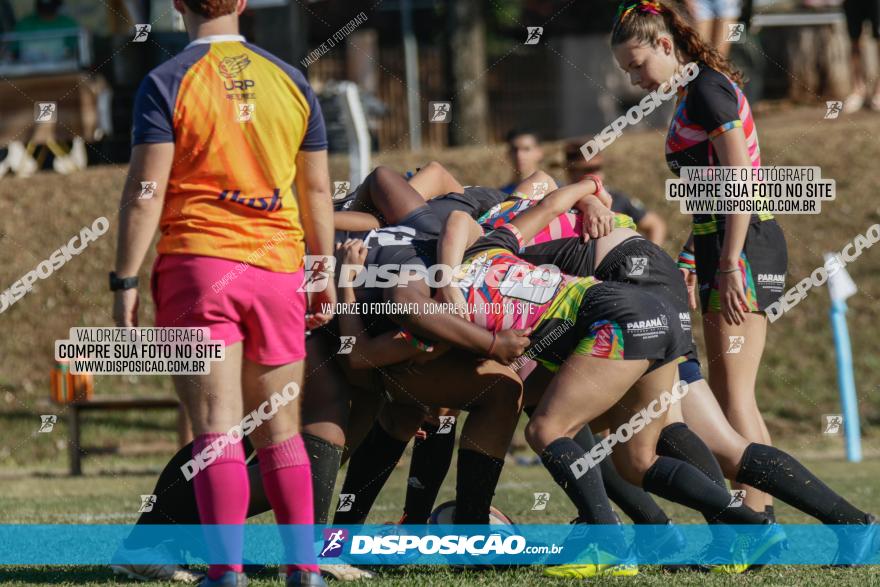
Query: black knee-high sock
x,y
430,462
776,472
585,491
683,483
175,501
368,470
324,457
679,442
475,486
634,501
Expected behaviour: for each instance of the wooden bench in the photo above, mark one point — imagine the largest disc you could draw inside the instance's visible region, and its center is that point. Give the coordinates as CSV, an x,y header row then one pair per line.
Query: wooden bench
x,y
105,403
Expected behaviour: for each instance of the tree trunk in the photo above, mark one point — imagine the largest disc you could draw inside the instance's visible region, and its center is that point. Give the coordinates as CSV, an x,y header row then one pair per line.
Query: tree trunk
x,y
817,57
470,104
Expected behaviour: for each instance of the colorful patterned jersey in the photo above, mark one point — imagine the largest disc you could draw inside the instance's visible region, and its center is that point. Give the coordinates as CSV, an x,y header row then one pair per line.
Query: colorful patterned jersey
x,y
710,105
567,225
508,292
237,116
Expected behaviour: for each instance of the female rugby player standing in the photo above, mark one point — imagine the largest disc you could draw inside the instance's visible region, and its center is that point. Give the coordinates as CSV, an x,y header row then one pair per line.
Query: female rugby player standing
x,y
713,126
225,161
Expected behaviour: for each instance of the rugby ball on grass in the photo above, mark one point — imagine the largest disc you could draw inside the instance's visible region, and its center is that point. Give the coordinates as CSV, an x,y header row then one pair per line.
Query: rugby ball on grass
x,y
444,513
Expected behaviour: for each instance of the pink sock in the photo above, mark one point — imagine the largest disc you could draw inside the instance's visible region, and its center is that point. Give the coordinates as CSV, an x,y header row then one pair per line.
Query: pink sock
x,y
222,494
287,480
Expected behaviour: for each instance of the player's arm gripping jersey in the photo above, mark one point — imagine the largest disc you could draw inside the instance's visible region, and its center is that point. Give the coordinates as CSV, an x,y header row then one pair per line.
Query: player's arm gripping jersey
x,y
237,116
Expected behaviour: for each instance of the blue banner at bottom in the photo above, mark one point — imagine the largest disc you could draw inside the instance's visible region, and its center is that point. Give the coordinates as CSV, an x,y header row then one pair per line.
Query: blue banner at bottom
x,y
440,544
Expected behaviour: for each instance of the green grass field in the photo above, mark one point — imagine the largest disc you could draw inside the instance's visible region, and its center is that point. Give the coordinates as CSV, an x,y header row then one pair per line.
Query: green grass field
x,y
796,384
113,498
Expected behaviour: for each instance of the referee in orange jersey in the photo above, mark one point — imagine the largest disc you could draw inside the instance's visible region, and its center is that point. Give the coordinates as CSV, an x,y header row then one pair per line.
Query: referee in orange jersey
x,y
222,133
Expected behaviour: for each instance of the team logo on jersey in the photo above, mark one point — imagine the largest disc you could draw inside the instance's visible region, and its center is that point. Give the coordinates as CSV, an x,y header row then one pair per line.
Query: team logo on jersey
x,y
832,423
47,423
230,67
334,540
346,502
542,498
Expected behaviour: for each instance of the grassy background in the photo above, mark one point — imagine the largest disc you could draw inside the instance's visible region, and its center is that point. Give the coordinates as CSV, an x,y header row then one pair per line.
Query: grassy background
x,y
796,384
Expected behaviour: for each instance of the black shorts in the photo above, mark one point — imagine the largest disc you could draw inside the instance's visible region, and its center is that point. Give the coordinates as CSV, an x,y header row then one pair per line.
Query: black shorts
x,y
484,198
476,201
859,11
613,321
344,203
640,262
763,265
424,220
571,255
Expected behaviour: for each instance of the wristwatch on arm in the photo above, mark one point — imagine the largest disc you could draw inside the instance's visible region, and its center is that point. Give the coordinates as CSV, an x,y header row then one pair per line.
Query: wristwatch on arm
x,y
117,283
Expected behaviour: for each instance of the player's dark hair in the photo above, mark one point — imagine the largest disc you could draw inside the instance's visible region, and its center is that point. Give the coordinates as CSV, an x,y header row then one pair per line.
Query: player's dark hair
x,y
573,154
646,20
516,133
211,8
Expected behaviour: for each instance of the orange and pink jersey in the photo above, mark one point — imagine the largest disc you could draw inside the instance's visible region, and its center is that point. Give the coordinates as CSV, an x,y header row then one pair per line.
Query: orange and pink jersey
x,y
238,116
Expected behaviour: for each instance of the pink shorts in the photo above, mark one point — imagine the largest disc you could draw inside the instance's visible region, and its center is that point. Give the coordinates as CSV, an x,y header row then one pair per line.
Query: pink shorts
x,y
238,302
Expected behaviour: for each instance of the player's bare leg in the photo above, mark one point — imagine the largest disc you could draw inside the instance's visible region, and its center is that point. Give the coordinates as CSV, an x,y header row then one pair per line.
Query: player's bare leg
x,y
733,364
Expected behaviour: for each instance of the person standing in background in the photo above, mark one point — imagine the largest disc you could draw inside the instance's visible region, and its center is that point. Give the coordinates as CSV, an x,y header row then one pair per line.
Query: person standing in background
x,y
857,13
46,47
526,156
713,20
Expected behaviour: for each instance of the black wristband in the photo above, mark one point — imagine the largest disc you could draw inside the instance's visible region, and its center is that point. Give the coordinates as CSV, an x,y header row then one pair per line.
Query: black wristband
x,y
117,283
